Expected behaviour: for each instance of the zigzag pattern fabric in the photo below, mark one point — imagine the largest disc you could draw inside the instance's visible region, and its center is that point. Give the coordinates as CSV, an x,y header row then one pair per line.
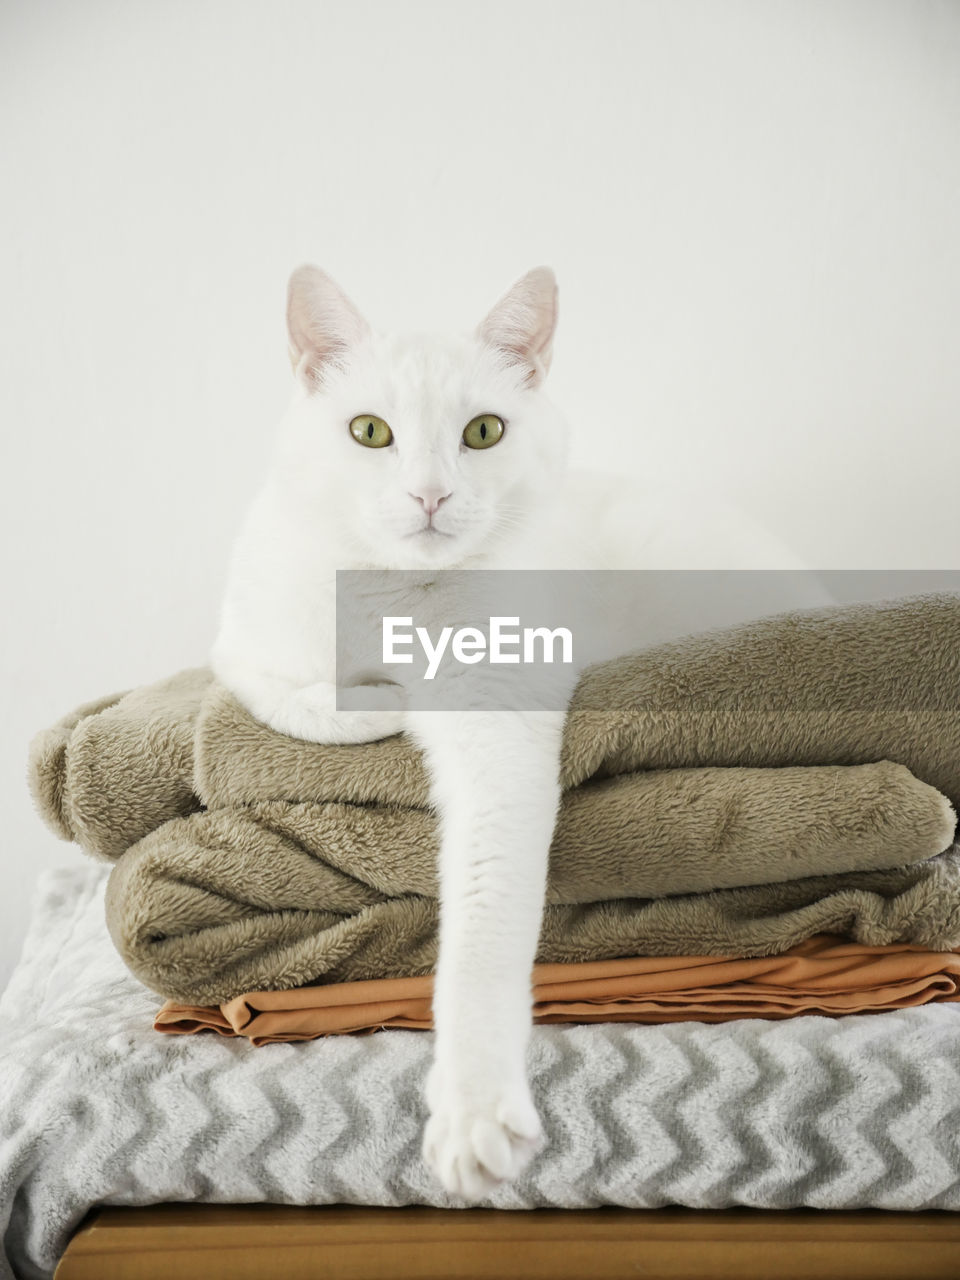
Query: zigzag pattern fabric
x,y
854,1112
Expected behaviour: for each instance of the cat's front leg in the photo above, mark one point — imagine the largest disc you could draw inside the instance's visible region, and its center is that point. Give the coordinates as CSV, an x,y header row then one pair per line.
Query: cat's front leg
x,y
495,785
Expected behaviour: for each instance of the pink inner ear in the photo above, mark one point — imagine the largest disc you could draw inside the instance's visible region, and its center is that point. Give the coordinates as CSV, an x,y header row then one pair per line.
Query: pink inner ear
x,y
322,322
524,321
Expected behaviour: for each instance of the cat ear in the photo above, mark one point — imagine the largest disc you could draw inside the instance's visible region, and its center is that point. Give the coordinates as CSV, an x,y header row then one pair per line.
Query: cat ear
x,y
523,322
322,323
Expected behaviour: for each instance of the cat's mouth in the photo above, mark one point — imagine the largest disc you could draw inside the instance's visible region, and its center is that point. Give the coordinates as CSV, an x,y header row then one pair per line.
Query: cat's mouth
x,y
428,531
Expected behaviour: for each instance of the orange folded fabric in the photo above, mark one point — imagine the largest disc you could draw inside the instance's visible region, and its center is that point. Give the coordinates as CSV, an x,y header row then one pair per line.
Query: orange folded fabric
x,y
823,975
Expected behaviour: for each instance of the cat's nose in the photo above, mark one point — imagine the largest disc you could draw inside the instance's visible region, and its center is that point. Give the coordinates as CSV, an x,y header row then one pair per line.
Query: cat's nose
x,y
430,499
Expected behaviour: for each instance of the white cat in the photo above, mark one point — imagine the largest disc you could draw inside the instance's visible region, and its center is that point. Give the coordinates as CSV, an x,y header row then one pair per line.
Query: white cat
x,y
437,453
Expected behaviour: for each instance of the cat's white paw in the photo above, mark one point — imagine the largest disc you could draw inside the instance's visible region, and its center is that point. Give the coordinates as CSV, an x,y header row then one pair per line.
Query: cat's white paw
x,y
366,726
475,1140
312,713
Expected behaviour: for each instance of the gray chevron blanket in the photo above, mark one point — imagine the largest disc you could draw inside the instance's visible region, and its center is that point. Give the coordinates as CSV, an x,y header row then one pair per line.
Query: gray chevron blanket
x,y
853,1112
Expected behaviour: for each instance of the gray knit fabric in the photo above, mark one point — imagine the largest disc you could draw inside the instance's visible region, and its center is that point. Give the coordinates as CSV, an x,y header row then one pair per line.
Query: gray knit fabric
x,y
841,1113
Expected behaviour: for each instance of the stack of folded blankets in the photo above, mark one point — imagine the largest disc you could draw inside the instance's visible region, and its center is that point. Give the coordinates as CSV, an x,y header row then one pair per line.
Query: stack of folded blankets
x,y
759,823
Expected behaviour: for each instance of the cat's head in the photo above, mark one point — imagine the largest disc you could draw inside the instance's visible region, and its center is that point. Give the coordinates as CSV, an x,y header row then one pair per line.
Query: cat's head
x,y
414,451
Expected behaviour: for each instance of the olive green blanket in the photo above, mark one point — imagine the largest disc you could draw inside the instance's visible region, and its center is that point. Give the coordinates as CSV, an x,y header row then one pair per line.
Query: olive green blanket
x,y
744,790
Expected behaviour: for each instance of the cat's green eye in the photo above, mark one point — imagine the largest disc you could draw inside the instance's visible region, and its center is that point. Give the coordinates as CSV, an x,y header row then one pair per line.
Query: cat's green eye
x,y
483,432
371,431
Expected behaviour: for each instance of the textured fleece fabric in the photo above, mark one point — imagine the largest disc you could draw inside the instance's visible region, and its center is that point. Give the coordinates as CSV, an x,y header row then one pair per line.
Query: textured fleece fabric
x,y
732,793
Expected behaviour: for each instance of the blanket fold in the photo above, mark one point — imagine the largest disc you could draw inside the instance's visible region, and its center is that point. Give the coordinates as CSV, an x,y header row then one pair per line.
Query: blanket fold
x,y
201,927
741,791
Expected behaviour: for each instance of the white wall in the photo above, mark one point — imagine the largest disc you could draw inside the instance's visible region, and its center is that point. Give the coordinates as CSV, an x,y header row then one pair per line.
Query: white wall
x,y
752,208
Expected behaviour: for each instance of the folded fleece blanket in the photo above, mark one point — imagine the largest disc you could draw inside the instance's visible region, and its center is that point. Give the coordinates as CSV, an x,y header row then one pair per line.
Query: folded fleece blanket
x,y
823,975
742,791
